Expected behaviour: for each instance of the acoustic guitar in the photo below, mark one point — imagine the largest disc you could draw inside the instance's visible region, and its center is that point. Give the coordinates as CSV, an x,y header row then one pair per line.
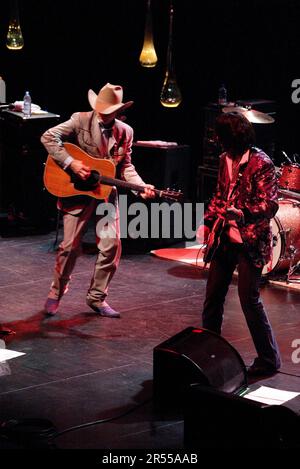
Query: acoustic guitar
x,y
64,183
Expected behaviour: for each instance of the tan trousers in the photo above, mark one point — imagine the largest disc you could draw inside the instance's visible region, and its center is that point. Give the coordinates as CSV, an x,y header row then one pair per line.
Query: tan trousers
x,y
107,259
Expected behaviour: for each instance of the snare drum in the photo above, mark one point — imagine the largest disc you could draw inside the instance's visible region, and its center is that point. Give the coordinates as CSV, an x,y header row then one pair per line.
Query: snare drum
x,y
286,237
290,177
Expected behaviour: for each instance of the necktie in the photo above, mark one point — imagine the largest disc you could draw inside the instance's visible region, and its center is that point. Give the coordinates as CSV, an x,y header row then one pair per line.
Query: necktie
x,y
105,134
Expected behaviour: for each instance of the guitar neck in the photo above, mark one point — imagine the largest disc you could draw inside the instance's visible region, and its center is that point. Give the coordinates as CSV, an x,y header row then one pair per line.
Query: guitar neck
x,y
126,185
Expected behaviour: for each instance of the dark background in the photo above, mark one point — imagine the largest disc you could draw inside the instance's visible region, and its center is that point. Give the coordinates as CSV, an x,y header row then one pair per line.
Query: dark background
x,y
71,46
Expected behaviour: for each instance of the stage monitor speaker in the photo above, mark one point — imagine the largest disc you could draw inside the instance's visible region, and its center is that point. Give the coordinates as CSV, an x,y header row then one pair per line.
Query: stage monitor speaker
x,y
215,419
195,355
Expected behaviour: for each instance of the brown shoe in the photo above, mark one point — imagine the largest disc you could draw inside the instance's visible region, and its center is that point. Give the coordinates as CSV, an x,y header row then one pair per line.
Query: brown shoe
x,y
105,311
51,306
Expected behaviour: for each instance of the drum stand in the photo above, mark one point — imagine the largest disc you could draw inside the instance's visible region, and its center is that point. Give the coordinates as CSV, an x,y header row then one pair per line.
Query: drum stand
x,y
293,268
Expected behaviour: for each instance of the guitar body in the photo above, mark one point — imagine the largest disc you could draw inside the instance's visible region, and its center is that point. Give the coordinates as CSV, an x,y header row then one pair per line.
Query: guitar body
x,y
62,183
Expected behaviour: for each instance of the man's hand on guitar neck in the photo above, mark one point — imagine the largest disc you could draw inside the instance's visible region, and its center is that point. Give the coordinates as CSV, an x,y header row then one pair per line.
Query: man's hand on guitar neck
x,y
80,169
148,192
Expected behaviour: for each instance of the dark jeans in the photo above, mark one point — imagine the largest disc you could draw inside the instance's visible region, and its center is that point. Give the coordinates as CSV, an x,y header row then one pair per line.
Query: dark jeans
x,y
227,257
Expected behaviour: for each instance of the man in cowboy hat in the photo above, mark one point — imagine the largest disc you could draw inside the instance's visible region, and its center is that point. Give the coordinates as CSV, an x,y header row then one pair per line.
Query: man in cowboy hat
x,y
100,134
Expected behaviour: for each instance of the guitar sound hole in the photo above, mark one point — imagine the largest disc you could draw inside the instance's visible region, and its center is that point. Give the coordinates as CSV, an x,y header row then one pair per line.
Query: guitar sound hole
x,y
86,185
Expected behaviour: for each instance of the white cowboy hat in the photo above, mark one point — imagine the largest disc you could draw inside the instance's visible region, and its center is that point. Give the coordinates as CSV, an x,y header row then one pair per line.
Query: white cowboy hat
x,y
109,99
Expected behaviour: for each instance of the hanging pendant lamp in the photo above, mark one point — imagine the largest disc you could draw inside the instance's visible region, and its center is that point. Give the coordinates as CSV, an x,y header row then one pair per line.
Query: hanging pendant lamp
x,y
148,57
170,94
14,39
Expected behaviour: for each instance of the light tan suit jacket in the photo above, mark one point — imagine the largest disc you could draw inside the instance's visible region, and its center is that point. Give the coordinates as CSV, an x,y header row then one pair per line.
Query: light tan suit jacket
x,y
83,129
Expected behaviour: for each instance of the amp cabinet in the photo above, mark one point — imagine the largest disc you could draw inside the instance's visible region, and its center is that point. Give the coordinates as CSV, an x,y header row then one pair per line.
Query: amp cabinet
x,y
164,167
207,181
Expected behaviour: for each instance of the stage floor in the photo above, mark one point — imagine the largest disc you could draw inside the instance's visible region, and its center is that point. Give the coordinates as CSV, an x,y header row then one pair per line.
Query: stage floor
x,y
80,368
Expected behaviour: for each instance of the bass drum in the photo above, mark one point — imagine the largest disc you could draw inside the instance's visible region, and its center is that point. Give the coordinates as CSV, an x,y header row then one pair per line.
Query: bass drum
x,y
286,237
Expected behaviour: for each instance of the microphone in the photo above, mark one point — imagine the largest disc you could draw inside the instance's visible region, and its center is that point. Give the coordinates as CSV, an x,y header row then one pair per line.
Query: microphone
x,y
286,157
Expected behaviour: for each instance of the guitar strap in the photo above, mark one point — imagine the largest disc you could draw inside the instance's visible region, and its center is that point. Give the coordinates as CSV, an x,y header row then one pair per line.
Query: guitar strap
x,y
236,176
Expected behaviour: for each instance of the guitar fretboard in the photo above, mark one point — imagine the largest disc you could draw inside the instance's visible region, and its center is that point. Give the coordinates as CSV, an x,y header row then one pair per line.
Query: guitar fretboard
x,y
126,185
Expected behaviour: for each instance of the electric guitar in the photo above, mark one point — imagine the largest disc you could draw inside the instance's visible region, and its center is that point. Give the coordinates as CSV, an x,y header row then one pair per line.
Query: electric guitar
x,y
213,240
64,183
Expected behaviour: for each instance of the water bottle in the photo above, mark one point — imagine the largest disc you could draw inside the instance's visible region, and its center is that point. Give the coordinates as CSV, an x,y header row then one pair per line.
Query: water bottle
x,y
222,96
27,105
2,91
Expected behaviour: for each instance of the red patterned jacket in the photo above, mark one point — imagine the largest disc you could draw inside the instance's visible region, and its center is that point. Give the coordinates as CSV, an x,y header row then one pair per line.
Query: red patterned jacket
x,y
256,196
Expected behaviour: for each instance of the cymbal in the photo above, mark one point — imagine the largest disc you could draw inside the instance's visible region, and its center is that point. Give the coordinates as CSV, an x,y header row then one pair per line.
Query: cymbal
x,y
238,109
256,117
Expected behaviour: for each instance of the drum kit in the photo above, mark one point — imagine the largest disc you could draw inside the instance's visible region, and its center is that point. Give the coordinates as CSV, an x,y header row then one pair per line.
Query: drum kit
x,y
285,258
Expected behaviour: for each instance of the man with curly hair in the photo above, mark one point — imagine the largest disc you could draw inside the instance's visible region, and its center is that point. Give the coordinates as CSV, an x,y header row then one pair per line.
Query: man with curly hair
x,y
242,207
